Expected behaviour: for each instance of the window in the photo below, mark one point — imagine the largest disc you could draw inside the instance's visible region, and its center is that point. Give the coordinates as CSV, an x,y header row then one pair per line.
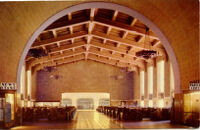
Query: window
x,y
142,88
160,76
160,82
142,83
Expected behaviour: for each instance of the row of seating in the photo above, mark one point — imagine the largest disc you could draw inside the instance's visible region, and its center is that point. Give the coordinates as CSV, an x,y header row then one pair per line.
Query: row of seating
x,y
120,113
135,114
50,113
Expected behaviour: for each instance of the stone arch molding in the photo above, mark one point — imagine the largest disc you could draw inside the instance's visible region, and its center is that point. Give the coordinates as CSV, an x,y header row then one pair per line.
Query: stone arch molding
x,y
113,6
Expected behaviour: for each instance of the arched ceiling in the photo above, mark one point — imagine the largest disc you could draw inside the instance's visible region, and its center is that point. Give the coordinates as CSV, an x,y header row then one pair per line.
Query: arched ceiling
x,y
101,35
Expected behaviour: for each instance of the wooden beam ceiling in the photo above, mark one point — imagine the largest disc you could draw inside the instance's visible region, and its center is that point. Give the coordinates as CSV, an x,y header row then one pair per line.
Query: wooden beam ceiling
x,y
59,39
56,57
84,41
127,42
122,27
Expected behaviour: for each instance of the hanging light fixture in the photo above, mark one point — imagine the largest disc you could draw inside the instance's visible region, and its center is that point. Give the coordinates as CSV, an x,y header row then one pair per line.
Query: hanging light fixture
x,y
147,53
37,53
51,67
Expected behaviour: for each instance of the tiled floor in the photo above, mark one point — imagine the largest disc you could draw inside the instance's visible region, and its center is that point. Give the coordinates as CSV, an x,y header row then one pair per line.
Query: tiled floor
x,y
95,120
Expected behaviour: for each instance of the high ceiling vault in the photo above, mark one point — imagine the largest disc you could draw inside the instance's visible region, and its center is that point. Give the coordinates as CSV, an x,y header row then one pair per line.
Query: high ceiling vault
x,y
100,35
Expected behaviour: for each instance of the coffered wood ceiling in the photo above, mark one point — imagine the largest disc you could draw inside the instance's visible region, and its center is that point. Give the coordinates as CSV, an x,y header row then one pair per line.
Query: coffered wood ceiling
x,y
101,35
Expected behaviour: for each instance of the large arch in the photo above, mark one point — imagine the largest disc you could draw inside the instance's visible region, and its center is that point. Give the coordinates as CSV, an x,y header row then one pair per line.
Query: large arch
x,y
106,5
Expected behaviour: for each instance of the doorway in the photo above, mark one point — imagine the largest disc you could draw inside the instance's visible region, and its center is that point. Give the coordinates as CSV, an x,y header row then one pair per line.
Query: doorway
x,y
85,104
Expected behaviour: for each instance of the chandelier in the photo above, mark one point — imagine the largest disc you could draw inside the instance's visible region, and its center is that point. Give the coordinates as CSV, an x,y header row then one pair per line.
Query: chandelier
x,y
147,53
51,68
53,71
37,53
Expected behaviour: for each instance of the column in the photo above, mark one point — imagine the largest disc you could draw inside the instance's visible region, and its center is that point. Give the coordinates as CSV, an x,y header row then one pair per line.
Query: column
x,y
171,81
160,82
29,87
136,87
155,94
150,85
142,88
146,92
22,85
167,100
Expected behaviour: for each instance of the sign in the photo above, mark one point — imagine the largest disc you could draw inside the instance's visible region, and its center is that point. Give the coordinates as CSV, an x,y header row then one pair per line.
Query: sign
x,y
8,86
194,85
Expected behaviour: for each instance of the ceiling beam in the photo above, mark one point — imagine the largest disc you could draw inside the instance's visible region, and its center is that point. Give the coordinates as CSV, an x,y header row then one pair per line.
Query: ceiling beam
x,y
104,61
71,59
93,12
109,62
54,33
87,47
29,58
121,59
38,39
59,39
90,28
126,42
80,44
108,30
110,48
89,38
123,27
56,57
71,29
73,22
115,15
64,61
107,23
156,43
104,41
125,34
69,16
89,51
58,44
68,47
133,22
100,49
141,38
44,48
118,44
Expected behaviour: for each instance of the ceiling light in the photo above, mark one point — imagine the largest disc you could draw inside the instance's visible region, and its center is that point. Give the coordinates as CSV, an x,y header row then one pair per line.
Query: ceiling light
x,y
147,53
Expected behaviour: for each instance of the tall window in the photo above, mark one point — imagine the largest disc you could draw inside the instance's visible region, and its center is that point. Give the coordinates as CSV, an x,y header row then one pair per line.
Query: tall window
x,y
171,80
150,84
160,82
22,81
142,88
29,87
29,82
160,76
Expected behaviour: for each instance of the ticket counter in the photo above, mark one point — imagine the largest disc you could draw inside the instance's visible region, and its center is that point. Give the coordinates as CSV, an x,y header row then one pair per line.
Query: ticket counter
x,y
7,107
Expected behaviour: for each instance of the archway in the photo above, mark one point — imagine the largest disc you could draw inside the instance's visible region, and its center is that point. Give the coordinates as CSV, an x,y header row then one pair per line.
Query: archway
x,y
113,6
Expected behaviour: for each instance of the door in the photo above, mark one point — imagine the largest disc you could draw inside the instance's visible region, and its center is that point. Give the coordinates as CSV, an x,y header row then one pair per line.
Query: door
x,y
85,103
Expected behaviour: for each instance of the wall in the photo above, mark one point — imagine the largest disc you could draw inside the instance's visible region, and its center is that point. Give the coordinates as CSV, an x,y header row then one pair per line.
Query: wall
x,y
177,19
85,76
33,83
167,85
191,102
136,85
96,97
